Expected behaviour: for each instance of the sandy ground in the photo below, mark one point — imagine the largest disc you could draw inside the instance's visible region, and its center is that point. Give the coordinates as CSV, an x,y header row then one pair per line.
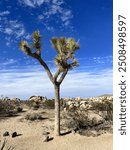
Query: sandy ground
x,y
30,135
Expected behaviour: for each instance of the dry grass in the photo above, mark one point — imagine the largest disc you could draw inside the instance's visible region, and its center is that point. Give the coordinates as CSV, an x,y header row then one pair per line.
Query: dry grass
x,y
5,147
33,116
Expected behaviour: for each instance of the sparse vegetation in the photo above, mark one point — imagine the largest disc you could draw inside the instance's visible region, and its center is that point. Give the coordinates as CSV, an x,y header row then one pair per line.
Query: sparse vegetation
x,y
105,106
98,119
6,106
81,120
49,104
89,122
4,146
19,109
102,106
33,116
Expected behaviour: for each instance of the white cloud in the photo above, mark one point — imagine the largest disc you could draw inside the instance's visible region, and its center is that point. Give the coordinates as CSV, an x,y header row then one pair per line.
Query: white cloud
x,y
29,3
8,31
36,3
12,29
66,15
34,81
101,60
51,9
33,3
15,26
40,17
7,62
58,2
4,13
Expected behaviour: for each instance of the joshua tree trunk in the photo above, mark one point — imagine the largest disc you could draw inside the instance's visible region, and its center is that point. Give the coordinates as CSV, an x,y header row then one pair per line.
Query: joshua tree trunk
x,y
57,110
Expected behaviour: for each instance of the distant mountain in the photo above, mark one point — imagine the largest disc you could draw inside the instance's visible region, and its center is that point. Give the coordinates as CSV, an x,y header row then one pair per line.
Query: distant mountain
x,y
105,95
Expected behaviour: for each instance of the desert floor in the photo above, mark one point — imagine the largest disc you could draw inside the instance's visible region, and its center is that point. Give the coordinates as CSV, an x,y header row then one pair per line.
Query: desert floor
x,y
30,135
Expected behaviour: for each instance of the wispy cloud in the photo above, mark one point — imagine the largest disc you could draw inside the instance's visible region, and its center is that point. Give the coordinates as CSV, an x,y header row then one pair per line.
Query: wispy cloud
x,y
33,3
20,82
66,16
7,62
12,29
50,9
3,13
102,60
95,63
57,10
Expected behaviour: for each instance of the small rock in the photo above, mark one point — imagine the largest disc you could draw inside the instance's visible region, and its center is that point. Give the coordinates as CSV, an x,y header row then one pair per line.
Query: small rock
x,y
6,133
45,138
14,134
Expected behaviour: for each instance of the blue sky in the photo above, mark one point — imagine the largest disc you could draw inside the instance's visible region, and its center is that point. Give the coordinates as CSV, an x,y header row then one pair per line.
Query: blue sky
x,y
88,21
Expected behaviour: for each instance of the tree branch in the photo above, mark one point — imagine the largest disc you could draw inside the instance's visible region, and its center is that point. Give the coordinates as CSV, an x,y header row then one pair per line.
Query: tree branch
x,y
62,76
37,56
57,74
46,68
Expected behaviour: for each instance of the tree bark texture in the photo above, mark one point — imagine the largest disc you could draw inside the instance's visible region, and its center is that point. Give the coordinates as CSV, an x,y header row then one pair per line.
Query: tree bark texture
x,y
57,110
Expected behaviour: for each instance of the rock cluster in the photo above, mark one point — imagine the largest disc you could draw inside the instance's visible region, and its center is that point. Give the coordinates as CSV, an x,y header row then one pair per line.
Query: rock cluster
x,y
85,103
14,134
37,99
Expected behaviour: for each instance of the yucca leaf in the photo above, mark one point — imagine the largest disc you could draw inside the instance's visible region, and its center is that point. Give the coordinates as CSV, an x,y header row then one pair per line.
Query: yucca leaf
x,y
25,47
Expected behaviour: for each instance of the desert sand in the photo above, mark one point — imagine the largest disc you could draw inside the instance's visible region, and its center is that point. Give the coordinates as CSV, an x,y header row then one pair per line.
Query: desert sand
x,y
30,135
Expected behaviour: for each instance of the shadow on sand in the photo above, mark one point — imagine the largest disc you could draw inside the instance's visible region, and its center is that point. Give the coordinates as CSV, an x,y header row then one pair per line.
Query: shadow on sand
x,y
65,133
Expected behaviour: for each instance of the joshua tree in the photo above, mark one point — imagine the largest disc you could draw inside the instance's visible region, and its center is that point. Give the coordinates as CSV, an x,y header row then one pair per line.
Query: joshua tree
x,y
64,60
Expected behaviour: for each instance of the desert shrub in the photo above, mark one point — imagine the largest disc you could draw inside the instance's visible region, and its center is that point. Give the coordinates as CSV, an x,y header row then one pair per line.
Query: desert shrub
x,y
76,118
33,116
83,123
105,106
32,105
28,103
102,106
6,106
19,109
81,119
50,104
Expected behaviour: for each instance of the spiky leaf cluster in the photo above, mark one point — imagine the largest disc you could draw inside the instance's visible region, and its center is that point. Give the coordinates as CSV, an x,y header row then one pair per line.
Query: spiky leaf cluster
x,y
65,48
36,40
25,47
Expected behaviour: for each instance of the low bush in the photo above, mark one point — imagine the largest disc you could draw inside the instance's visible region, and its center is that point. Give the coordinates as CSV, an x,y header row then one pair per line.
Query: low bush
x,y
105,108
76,119
19,109
6,106
50,104
102,106
33,116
